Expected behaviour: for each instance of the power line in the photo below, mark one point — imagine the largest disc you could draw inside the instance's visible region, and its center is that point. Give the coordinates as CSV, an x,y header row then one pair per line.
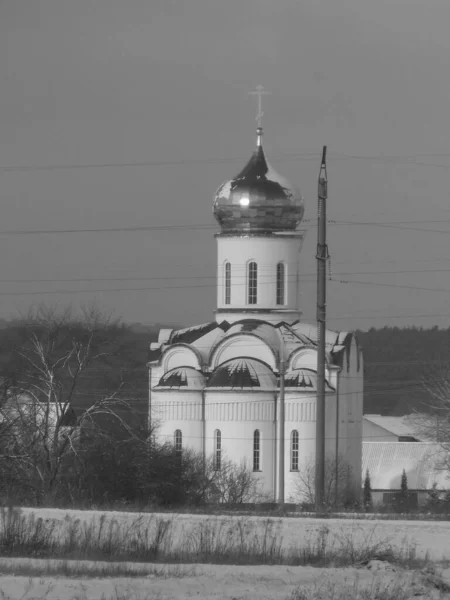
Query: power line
x,y
211,226
214,277
334,156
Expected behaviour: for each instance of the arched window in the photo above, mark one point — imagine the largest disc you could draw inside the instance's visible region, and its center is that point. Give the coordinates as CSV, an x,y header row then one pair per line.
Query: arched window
x,y
252,283
227,283
178,442
281,283
294,450
217,450
256,450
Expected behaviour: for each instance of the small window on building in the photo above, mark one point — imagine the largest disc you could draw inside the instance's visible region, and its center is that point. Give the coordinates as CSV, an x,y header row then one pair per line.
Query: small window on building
x,y
294,450
257,450
178,442
217,450
281,284
252,283
227,283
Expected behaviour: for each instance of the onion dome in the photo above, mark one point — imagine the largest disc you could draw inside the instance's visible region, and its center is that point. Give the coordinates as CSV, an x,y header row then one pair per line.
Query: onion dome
x,y
243,373
258,199
182,378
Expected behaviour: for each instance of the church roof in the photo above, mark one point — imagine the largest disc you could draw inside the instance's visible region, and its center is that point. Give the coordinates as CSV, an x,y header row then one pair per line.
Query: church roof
x,y
304,378
207,338
265,331
258,199
186,378
243,373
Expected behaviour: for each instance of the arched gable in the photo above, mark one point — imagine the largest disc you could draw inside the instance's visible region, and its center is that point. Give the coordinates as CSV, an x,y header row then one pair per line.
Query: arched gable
x,y
247,345
303,358
180,355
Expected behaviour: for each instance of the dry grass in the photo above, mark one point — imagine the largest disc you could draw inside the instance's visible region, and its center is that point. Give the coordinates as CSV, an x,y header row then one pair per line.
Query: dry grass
x,y
403,588
226,541
232,540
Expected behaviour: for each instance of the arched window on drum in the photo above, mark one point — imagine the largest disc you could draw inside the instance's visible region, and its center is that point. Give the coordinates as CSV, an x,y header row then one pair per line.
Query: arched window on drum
x,y
281,284
294,450
227,283
252,283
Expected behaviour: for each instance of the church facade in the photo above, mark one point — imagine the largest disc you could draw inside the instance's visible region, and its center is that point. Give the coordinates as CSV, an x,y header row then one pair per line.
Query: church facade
x,y
219,388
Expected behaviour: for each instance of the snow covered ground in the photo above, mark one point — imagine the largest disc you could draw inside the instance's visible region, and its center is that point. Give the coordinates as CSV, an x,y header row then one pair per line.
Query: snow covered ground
x,y
210,582
427,536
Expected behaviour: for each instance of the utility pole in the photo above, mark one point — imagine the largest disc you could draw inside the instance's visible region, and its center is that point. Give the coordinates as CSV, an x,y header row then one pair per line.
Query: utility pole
x,y
281,427
322,257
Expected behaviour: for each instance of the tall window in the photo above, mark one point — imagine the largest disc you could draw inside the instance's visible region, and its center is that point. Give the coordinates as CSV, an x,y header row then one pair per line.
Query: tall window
x,y
252,283
294,450
280,283
227,283
256,450
217,450
178,442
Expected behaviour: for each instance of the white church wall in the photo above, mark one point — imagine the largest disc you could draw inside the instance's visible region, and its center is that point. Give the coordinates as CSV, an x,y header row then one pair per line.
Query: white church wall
x,y
172,410
300,414
351,411
237,419
267,252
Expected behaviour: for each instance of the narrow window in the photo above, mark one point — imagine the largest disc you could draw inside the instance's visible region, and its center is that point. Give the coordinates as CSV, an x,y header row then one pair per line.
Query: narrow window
x,y
280,283
227,283
256,450
294,450
178,443
252,283
217,450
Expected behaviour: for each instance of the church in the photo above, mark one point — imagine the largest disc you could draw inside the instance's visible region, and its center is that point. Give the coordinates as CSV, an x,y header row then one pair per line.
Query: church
x,y
243,386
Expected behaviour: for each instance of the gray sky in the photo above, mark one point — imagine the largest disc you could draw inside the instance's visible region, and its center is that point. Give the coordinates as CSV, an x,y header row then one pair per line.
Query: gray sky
x,y
132,81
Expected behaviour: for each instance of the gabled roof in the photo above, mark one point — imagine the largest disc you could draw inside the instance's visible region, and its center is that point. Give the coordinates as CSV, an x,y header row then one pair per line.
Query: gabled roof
x,y
421,462
400,426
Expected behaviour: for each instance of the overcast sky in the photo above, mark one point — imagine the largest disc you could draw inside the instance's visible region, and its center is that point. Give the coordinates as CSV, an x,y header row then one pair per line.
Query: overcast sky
x,y
104,82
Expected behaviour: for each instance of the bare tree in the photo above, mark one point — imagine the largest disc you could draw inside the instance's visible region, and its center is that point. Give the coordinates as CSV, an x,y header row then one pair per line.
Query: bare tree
x,y
233,483
61,360
432,423
339,473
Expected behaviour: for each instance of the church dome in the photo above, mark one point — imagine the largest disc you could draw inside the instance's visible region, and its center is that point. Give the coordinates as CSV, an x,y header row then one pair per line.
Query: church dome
x,y
243,373
305,379
258,199
182,378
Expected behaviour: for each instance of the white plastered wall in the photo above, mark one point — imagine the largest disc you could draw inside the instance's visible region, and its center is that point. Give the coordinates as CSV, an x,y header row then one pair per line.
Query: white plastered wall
x,y
172,410
267,252
237,415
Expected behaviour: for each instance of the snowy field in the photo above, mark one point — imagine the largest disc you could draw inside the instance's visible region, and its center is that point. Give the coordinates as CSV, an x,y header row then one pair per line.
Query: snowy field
x,y
426,536
210,582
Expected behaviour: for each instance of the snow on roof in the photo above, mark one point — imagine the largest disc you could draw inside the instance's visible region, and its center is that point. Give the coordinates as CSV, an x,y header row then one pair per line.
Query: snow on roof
x,y
205,338
266,331
401,426
183,378
243,373
205,343
421,462
304,378
190,334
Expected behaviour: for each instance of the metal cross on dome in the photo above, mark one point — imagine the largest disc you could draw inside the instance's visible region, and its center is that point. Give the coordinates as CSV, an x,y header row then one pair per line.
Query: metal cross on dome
x,y
260,92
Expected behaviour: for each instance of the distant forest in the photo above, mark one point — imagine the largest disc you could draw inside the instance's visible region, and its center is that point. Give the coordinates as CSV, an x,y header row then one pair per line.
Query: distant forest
x,y
396,361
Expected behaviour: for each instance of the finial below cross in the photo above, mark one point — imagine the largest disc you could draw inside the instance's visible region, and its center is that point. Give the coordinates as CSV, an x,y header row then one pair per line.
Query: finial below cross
x,y
260,92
